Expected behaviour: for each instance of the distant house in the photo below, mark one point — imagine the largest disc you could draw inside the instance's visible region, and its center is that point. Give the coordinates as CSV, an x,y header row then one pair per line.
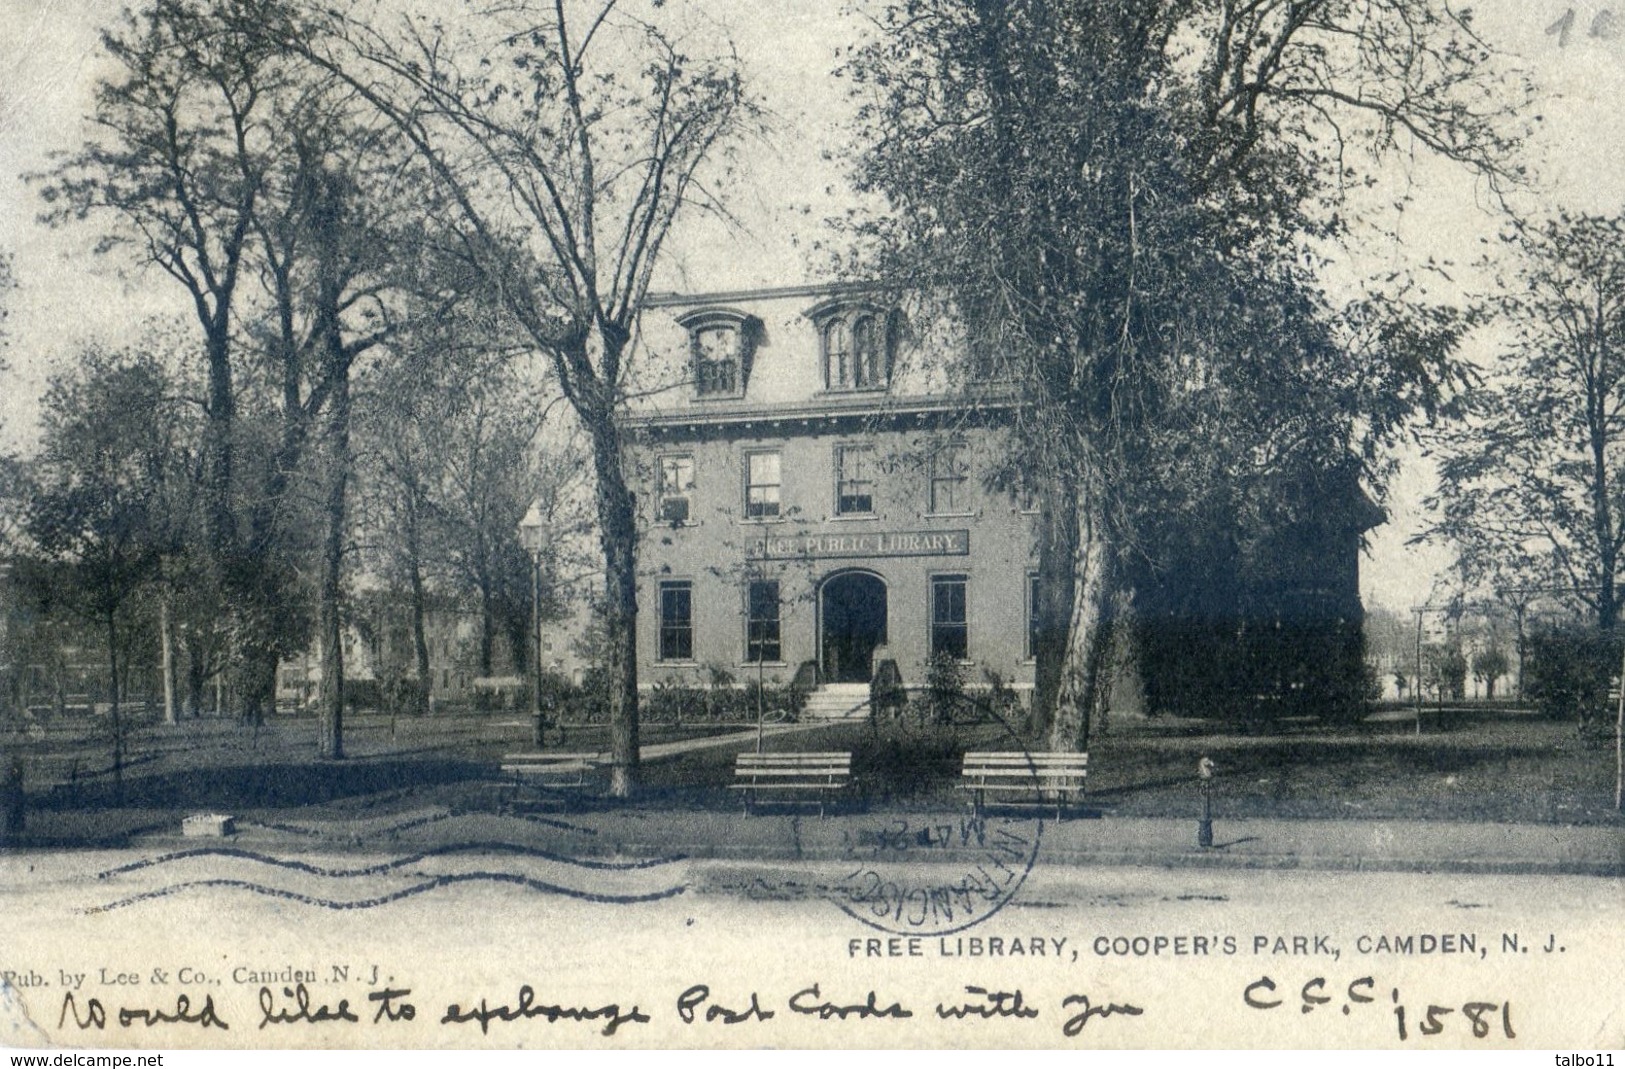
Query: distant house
x,y
380,654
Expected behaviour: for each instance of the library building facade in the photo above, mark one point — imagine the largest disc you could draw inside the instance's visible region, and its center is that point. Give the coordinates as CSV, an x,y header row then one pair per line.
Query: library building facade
x,y
812,491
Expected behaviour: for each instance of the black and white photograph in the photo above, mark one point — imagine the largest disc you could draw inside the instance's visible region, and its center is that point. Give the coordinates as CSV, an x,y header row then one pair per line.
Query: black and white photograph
x,y
812,524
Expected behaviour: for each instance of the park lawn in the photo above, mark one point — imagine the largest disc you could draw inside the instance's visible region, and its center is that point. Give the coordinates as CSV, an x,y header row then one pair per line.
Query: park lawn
x,y
1490,764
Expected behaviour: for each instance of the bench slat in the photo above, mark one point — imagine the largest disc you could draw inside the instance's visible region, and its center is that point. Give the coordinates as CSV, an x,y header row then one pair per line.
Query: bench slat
x,y
823,771
1045,777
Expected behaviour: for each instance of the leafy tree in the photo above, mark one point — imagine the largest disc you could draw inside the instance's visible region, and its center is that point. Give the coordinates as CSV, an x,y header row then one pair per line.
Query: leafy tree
x,y
1444,670
566,142
1490,665
254,182
1116,202
177,165
450,452
1530,480
112,449
347,253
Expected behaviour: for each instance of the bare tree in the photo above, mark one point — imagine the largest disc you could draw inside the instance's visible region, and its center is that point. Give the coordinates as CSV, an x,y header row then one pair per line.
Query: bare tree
x,y
567,141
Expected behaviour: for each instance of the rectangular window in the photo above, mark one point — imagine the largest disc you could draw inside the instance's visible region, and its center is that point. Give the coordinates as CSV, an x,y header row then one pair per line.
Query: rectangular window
x,y
854,480
677,621
950,477
1032,615
949,630
762,622
676,480
762,485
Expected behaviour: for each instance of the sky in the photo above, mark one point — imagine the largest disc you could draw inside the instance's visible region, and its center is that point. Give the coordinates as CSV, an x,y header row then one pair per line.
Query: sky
x,y
792,179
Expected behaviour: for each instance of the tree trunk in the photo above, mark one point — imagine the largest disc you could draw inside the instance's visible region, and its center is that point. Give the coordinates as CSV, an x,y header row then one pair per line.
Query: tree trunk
x,y
218,460
488,625
196,673
420,635
617,522
116,721
330,740
1076,599
166,650
255,681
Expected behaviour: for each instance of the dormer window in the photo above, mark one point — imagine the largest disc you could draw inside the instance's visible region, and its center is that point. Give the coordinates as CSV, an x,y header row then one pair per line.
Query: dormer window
x,y
721,342
856,345
716,361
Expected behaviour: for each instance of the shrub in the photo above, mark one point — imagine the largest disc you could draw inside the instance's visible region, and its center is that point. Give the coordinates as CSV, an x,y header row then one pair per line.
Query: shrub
x,y
887,695
944,686
1567,671
670,701
903,757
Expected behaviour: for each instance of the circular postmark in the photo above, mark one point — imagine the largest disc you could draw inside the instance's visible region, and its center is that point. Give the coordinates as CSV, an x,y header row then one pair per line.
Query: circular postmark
x,y
931,874
934,874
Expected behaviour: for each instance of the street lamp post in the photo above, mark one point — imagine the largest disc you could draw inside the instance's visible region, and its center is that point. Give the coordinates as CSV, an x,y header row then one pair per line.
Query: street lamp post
x,y
530,537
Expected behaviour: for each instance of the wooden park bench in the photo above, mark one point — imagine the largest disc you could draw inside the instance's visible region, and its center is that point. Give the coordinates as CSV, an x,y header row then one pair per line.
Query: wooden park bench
x,y
823,772
1025,778
552,770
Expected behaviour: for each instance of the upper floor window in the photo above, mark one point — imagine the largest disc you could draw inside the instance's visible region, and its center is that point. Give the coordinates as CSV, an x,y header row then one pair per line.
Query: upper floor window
x,y
676,487
950,479
854,480
856,344
762,485
721,342
716,361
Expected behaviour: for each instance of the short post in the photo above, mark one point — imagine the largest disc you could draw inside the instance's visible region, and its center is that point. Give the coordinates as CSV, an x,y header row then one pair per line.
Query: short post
x,y
12,799
530,537
1204,824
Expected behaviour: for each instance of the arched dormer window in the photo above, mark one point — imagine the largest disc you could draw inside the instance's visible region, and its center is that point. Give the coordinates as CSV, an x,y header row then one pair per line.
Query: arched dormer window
x,y
856,343
721,343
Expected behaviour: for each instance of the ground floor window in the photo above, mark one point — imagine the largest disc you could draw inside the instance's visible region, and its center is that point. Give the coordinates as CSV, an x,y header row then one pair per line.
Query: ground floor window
x,y
1032,615
762,622
677,621
949,630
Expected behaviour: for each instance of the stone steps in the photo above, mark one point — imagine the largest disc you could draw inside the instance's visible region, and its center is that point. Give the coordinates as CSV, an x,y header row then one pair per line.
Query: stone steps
x,y
837,701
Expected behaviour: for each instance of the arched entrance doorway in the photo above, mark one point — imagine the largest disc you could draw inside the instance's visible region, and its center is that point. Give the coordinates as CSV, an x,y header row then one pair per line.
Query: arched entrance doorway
x,y
852,622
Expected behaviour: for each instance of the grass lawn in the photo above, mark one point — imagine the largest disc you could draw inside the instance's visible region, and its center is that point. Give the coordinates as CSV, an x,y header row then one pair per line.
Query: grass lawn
x,y
1487,764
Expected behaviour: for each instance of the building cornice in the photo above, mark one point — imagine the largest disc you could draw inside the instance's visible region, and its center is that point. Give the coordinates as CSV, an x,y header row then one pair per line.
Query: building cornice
x,y
829,411
818,289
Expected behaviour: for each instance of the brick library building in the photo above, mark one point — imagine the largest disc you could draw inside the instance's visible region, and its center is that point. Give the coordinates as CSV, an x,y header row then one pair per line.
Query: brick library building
x,y
814,491
811,491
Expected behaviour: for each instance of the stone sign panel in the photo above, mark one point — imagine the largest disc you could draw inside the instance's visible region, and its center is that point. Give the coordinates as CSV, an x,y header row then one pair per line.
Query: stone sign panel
x,y
864,544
